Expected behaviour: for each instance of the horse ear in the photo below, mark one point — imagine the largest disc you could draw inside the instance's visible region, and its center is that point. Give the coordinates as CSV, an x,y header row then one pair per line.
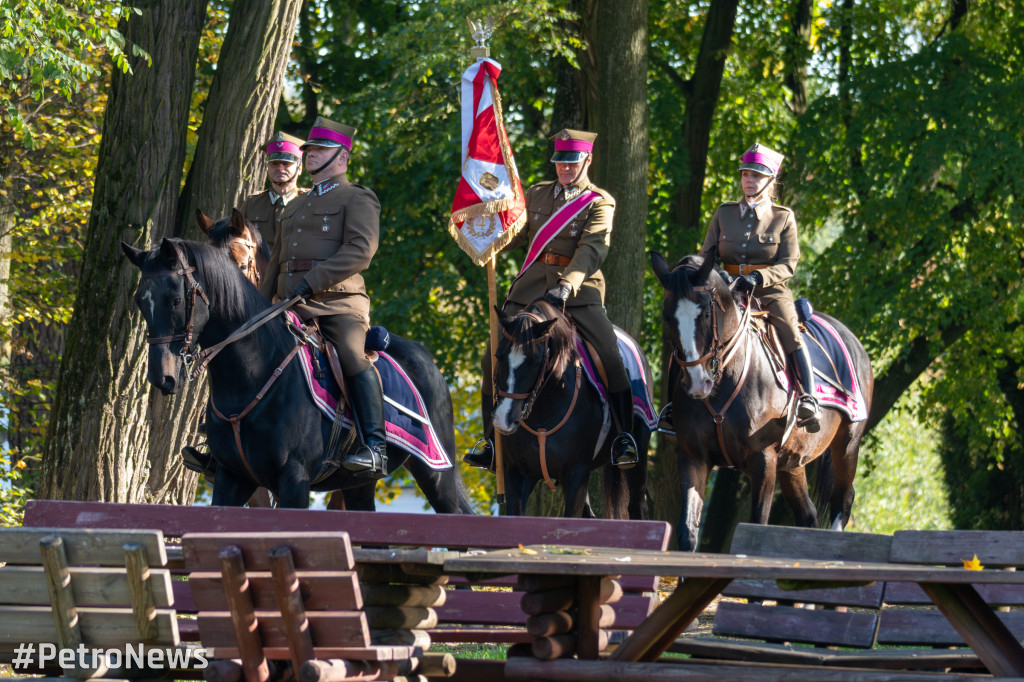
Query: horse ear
x,y
503,319
136,256
168,251
705,269
237,223
541,328
660,267
204,221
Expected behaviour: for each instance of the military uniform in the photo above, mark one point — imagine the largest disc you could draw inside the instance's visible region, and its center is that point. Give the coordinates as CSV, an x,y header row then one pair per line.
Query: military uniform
x,y
328,237
264,210
761,239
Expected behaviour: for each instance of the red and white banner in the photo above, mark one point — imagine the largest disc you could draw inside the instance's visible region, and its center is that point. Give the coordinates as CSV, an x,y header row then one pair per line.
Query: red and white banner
x,y
489,207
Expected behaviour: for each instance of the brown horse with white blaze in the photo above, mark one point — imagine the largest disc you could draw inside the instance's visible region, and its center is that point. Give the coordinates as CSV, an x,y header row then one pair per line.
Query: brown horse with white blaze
x,y
728,409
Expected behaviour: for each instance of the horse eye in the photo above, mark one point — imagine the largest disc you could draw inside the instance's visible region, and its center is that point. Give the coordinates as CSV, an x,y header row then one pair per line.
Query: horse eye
x,y
175,303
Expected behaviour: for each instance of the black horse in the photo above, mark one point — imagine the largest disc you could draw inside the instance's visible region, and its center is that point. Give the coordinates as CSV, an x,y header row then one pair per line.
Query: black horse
x,y
191,291
565,426
729,411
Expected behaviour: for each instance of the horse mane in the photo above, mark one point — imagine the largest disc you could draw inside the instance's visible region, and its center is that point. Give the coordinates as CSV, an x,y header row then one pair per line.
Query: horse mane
x,y
561,333
692,271
236,297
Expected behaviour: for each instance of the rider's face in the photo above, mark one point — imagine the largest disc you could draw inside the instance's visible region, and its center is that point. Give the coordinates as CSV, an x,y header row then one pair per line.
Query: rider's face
x,y
753,182
568,172
317,156
280,172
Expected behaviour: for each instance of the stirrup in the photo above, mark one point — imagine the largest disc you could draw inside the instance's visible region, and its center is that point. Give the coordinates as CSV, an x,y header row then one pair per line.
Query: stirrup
x,y
481,455
199,462
809,422
665,424
624,451
367,461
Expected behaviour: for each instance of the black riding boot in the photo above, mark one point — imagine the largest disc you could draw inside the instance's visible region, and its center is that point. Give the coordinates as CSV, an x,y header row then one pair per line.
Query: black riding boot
x,y
370,458
624,452
198,461
807,412
482,454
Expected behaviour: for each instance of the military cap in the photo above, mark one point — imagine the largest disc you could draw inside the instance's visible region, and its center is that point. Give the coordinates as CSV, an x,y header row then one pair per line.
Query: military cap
x,y
761,160
284,147
572,146
328,133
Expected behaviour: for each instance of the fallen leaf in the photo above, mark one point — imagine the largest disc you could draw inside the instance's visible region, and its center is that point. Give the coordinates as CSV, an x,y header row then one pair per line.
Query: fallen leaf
x,y
973,564
527,550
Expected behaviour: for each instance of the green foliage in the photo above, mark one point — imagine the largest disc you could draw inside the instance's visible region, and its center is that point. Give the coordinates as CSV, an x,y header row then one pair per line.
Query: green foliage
x,y
13,494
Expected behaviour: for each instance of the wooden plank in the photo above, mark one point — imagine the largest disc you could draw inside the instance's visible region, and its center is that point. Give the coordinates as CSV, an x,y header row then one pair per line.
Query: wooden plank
x,y
489,635
363,527
928,627
467,607
403,595
99,626
994,548
897,593
369,653
81,545
320,590
242,616
321,551
328,628
58,584
92,586
787,623
809,543
138,575
868,597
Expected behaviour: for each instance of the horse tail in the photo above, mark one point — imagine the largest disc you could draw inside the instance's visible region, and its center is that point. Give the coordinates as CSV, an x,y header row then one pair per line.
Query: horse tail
x,y
616,493
821,494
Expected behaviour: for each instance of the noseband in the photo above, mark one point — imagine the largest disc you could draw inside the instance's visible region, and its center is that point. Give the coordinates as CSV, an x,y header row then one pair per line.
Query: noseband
x,y
716,349
531,396
192,288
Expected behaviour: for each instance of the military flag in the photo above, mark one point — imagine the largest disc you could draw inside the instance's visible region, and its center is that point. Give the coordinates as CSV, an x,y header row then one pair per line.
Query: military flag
x,y
489,207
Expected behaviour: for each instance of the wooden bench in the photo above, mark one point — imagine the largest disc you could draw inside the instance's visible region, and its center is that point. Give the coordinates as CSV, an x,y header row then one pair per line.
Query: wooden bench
x,y
479,612
888,625
290,599
100,590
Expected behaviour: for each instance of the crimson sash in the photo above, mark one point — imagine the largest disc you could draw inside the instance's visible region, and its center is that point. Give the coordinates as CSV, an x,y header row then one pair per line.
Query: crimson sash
x,y
554,225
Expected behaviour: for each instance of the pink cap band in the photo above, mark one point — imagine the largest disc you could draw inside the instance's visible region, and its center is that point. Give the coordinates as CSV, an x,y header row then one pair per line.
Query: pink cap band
x,y
283,146
573,146
328,134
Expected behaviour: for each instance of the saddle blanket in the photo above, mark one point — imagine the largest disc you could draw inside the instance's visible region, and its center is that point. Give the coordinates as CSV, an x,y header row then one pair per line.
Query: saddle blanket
x,y
407,421
632,358
827,352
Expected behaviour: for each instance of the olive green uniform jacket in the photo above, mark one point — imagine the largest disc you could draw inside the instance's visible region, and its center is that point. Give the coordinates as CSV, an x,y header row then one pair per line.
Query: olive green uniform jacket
x,y
264,215
585,241
766,235
327,237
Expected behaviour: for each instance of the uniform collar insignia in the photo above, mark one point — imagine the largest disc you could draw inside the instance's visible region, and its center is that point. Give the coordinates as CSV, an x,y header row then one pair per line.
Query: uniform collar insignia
x,y
325,187
573,192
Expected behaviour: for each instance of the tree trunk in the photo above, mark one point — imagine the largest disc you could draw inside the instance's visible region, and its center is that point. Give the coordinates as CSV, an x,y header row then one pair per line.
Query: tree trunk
x,y
228,165
97,440
798,52
621,156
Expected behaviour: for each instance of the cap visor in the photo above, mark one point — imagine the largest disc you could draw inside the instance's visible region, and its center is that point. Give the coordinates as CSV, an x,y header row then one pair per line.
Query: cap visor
x,y
282,156
320,142
757,168
568,157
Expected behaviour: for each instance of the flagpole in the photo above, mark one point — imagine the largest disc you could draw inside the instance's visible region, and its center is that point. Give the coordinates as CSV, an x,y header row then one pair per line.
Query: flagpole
x,y
492,306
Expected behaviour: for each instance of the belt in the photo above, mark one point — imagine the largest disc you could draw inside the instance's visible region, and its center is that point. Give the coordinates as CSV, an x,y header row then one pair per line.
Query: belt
x,y
742,269
298,265
555,259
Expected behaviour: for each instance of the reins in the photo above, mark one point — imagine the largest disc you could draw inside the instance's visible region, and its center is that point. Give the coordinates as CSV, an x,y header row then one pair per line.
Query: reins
x,y
543,376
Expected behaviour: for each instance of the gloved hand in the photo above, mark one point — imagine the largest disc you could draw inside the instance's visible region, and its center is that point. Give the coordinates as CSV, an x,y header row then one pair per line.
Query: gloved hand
x,y
304,290
558,295
748,282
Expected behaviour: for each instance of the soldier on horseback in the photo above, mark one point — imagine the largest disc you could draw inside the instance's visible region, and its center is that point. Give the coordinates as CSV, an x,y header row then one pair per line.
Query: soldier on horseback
x,y
756,241
284,163
325,239
568,235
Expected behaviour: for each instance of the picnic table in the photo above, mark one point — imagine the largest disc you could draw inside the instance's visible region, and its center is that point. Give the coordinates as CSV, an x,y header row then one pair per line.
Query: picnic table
x,y
704,576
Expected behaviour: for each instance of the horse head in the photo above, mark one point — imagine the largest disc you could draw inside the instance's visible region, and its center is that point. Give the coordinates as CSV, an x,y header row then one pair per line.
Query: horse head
x,y
536,347
699,316
243,242
175,307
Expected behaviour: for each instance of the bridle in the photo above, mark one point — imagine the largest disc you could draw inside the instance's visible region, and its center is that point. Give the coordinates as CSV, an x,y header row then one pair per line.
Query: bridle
x,y
545,373
192,289
248,266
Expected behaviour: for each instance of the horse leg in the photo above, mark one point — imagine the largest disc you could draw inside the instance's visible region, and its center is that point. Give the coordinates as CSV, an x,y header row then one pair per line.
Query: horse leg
x,y
577,503
693,479
444,490
361,497
845,449
517,492
762,485
794,489
229,491
293,487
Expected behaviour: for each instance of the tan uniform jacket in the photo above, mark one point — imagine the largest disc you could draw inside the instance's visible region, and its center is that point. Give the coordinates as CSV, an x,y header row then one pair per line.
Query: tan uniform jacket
x,y
585,240
265,216
764,236
339,229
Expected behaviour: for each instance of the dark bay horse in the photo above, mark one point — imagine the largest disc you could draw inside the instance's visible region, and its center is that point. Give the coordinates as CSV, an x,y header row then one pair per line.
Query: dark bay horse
x,y
722,370
565,427
242,241
192,292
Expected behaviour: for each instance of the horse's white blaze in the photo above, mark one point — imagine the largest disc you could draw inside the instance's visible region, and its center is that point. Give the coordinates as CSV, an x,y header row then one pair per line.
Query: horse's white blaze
x,y
502,413
686,324
147,297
